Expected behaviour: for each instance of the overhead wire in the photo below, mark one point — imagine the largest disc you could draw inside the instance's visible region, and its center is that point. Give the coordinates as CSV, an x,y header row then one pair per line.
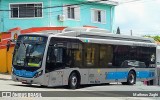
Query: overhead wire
x,y
67,5
139,1
59,11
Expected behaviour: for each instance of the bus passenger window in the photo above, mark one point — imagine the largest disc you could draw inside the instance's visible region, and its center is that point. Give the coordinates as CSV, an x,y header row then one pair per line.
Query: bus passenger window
x,y
73,55
58,53
91,55
50,61
54,58
50,55
106,55
152,57
78,56
69,58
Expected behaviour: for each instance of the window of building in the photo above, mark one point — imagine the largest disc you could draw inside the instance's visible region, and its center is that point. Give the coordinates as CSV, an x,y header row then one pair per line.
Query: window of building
x,y
98,16
26,10
72,12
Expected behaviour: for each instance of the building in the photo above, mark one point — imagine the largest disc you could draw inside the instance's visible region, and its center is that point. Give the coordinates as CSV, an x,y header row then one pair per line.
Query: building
x,y
27,16
46,13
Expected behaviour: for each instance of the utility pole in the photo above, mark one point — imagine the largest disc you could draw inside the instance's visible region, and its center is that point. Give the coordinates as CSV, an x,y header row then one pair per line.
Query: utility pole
x,y
131,32
50,3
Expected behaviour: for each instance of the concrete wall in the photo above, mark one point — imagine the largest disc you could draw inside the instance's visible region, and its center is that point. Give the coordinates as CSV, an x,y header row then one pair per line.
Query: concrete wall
x,y
5,56
6,59
3,63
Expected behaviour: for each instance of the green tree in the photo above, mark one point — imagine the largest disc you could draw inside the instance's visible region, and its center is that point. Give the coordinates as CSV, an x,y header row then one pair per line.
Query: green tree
x,y
156,38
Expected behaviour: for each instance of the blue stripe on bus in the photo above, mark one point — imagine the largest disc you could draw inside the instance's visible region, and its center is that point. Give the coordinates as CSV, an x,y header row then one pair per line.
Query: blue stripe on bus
x,y
124,75
116,75
145,74
24,73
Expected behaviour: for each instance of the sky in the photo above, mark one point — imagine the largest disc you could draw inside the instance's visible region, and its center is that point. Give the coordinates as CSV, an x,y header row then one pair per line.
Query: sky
x,y
142,17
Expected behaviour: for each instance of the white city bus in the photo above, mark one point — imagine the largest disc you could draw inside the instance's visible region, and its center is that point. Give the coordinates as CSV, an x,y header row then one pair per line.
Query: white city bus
x,y
83,56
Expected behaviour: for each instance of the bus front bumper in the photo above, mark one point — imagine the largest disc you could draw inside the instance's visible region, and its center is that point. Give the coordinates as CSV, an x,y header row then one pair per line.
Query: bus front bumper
x,y
26,80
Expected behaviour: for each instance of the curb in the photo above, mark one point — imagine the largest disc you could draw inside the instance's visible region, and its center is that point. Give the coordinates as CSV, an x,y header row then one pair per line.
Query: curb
x,y
5,76
6,73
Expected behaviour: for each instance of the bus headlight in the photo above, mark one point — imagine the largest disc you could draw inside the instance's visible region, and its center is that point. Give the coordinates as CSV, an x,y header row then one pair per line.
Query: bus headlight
x,y
38,74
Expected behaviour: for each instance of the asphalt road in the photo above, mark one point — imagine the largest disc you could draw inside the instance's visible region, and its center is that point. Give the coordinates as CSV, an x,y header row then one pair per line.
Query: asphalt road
x,y
113,91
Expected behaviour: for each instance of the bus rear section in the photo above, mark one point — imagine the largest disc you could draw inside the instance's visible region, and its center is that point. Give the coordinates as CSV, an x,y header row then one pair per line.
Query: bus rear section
x,y
86,61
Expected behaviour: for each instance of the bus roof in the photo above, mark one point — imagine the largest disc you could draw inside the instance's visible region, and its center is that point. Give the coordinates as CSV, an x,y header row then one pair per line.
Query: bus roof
x,y
101,35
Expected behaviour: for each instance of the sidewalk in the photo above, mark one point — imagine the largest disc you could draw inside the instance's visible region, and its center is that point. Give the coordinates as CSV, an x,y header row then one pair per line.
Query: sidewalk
x,y
5,76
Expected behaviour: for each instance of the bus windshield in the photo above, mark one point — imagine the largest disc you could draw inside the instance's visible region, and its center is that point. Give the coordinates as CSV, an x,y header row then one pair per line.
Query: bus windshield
x,y
29,51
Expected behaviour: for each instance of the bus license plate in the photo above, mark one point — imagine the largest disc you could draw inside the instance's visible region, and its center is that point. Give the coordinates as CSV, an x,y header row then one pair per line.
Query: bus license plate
x,y
24,81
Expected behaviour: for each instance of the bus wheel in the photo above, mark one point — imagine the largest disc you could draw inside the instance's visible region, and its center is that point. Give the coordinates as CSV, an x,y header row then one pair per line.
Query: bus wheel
x,y
131,78
73,81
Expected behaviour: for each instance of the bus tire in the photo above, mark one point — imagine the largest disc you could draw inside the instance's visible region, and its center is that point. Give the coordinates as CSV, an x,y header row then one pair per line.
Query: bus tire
x,y
131,79
73,82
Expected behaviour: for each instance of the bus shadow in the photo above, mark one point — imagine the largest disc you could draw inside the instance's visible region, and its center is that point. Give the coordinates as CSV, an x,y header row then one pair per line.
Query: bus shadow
x,y
38,86
62,87
93,85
